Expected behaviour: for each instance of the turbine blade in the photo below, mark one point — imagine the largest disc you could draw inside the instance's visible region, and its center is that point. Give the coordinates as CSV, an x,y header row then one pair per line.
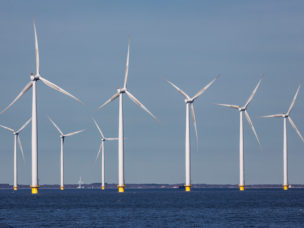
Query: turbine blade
x,y
206,87
55,125
25,89
178,89
111,139
139,104
20,145
293,100
55,87
100,147
252,127
24,125
74,133
98,128
108,101
271,116
36,49
194,124
7,128
253,93
295,128
229,106
127,64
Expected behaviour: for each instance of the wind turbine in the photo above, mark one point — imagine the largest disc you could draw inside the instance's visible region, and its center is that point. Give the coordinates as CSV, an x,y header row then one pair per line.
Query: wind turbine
x,y
189,102
16,138
120,92
32,83
101,149
80,183
286,116
62,136
243,109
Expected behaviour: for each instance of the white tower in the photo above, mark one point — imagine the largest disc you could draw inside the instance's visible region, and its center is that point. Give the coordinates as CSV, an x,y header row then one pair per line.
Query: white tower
x,y
286,116
62,137
120,92
243,109
189,103
16,139
101,149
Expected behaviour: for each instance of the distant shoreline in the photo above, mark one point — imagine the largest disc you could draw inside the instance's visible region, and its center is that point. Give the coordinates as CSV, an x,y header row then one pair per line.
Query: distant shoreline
x,y
156,186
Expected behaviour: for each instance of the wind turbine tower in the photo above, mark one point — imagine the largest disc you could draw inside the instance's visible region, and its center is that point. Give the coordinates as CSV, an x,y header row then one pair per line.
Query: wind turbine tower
x,y
243,109
189,104
62,137
101,149
286,116
17,139
119,93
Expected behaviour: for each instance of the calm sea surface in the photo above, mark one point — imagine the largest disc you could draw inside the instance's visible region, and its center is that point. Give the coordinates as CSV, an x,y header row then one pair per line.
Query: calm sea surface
x,y
152,208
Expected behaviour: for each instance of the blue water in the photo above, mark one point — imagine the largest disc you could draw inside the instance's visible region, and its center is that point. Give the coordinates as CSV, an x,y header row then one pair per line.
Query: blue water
x,y
152,208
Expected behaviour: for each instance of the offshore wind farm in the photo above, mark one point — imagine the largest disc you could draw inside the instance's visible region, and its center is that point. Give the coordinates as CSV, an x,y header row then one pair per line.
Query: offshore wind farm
x,y
120,91
151,171
119,94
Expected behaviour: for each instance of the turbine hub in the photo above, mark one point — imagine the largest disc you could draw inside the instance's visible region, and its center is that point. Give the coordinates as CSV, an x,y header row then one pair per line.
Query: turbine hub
x,y
285,115
189,101
242,109
123,90
34,77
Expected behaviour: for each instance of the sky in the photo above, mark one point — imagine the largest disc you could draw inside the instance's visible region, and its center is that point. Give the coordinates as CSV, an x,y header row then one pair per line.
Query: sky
x,y
83,47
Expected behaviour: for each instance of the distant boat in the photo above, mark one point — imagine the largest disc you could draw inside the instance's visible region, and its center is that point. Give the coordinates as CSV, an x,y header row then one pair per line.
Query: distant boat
x,y
80,183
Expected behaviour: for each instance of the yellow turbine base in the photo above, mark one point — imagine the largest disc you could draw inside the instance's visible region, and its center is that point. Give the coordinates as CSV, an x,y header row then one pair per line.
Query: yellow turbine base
x,y
102,187
34,190
121,188
61,188
242,187
187,188
285,187
15,188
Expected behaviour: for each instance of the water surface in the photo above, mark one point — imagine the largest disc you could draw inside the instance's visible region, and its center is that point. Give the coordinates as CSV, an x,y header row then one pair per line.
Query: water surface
x,y
152,208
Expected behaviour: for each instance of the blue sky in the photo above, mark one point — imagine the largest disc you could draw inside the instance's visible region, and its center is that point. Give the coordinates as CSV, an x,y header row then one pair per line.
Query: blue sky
x,y
83,48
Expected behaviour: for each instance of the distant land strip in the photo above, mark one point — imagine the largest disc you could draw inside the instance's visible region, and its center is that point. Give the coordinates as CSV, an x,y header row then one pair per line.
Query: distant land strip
x,y
154,186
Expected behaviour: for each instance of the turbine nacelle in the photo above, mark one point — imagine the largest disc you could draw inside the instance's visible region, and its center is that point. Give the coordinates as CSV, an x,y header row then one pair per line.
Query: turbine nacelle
x,y
242,109
189,101
34,77
121,90
284,115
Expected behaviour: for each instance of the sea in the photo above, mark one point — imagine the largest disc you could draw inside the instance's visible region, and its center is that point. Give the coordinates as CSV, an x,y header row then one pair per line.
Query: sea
x,y
152,208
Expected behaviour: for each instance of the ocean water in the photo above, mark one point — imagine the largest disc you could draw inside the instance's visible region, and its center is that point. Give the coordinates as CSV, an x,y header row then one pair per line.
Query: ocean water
x,y
152,208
